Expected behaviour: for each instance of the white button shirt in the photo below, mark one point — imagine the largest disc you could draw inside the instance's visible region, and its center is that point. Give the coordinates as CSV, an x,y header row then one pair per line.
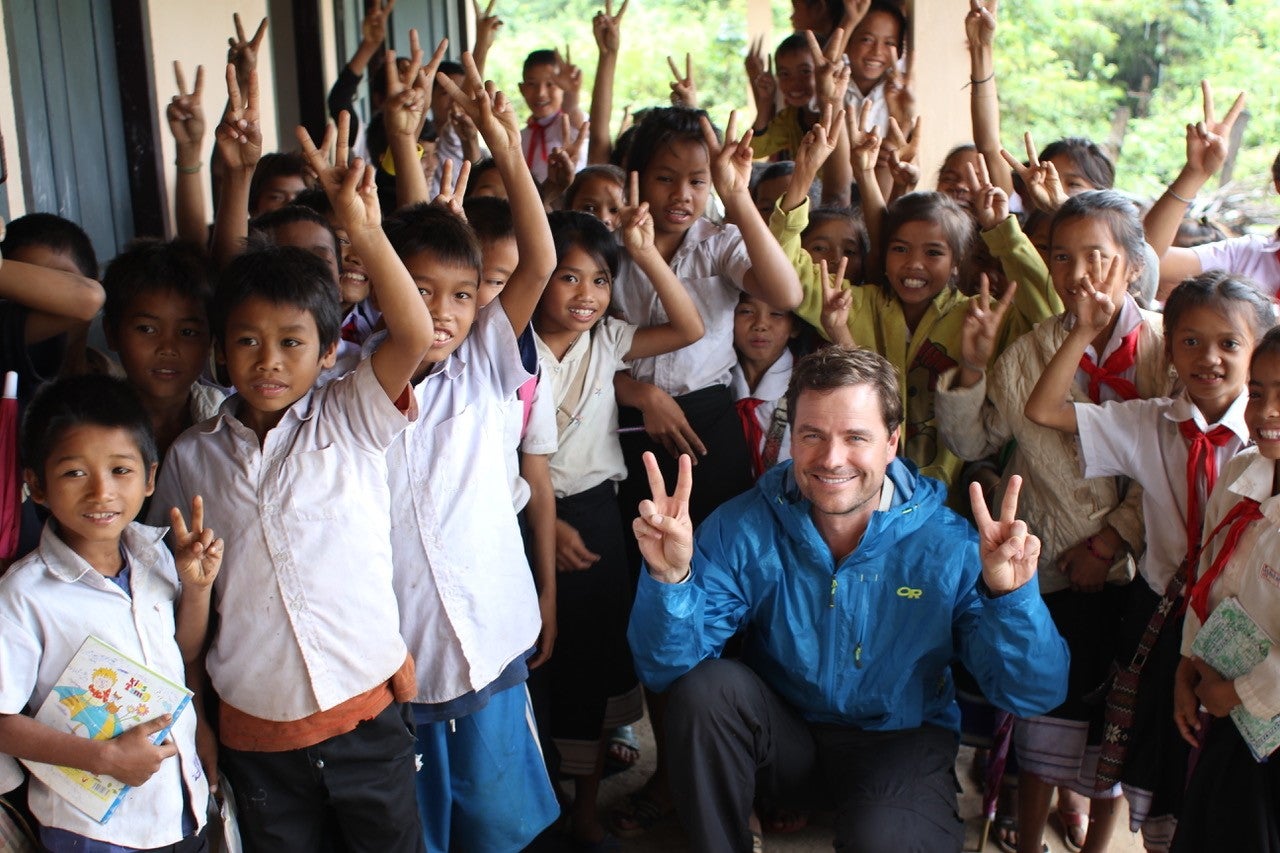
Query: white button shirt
x,y
50,602
307,615
710,263
468,606
1140,439
772,388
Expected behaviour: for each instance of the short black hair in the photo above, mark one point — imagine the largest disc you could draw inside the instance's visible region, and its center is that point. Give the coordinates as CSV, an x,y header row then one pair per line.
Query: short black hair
x,y
490,218
267,223
823,215
74,401
570,228
957,226
54,233
663,126
315,199
149,266
449,68
595,170
273,165
794,43
1094,164
282,275
488,164
427,227
543,56
1223,292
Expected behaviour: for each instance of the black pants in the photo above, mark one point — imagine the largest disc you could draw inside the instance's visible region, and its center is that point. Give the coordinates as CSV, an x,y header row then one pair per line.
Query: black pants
x,y
731,736
352,792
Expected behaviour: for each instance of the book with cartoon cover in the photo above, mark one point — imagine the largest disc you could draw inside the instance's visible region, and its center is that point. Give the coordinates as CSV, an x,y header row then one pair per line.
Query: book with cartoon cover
x,y
101,694
1232,643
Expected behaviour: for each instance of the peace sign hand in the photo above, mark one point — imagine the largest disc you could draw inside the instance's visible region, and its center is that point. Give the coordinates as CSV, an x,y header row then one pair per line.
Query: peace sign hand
x,y
730,161
197,554
982,326
836,302
1041,179
990,203
489,109
1090,298
373,29
349,186
864,140
635,221
684,93
239,136
820,141
487,25
831,72
453,192
243,52
405,109
1008,550
1207,140
664,530
980,22
607,27
185,115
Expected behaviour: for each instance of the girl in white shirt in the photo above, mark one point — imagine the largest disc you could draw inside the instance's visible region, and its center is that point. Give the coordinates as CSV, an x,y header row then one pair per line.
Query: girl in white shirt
x,y
1233,800
592,684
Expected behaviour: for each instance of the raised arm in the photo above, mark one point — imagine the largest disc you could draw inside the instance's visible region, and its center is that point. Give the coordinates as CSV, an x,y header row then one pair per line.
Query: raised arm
x,y
984,105
831,81
487,26
239,144
351,191
58,301
495,118
186,122
771,277
764,86
1050,401
1206,152
607,29
684,321
864,145
408,96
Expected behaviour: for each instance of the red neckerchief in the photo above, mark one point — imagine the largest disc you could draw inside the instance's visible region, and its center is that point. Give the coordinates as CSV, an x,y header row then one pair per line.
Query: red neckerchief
x,y
1202,466
1110,371
538,140
755,435
1238,519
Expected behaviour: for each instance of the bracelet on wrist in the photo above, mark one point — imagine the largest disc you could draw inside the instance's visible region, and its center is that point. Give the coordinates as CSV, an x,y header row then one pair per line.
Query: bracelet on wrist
x,y
1093,550
1183,199
986,79
189,170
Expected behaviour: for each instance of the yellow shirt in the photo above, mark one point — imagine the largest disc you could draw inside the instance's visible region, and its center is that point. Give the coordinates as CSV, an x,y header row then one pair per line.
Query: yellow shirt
x,y
783,133
876,321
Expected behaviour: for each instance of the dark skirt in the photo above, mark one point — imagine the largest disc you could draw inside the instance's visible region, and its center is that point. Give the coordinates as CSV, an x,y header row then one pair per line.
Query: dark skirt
x,y
591,662
1233,801
1090,623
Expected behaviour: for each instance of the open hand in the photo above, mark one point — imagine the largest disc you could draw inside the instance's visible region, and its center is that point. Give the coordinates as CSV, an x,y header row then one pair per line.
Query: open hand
x,y
663,529
1009,552
197,553
665,423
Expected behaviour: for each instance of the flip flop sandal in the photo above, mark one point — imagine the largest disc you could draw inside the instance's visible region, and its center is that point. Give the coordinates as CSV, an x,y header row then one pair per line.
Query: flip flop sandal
x,y
638,815
1074,827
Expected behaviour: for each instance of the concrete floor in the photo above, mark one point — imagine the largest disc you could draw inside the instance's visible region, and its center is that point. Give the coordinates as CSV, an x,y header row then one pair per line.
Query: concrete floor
x,y
668,837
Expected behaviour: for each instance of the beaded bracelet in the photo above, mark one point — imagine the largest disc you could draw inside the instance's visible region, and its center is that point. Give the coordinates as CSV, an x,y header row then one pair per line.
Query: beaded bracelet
x,y
189,170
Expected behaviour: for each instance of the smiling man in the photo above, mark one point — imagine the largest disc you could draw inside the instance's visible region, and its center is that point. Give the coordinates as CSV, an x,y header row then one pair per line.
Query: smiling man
x,y
857,588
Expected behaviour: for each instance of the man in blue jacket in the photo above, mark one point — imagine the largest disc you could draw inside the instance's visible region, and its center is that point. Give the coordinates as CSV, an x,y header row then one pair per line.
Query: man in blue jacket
x,y
857,588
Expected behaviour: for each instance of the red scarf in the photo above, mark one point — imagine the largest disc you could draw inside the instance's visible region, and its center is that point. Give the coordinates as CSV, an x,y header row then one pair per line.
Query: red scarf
x,y
538,141
1238,519
755,435
1110,372
1202,466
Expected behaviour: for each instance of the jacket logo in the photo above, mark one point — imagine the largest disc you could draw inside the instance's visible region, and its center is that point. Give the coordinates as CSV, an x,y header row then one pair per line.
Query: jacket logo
x,y
909,592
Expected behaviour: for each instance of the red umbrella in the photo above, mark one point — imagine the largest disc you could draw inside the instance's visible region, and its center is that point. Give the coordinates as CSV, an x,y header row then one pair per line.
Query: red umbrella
x,y
10,475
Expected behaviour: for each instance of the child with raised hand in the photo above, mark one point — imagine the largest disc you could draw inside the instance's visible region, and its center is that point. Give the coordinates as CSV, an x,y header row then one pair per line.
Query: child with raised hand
x,y
313,735
467,598
915,318
89,457
606,27
1173,448
597,190
1091,528
550,87
593,686
1232,798
186,122
1252,256
156,319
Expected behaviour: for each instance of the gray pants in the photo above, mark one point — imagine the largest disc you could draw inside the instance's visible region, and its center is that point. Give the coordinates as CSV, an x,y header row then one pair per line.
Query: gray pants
x,y
730,736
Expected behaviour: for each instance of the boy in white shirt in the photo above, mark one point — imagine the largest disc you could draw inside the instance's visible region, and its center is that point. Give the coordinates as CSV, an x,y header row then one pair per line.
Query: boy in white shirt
x,y
306,654
467,597
89,456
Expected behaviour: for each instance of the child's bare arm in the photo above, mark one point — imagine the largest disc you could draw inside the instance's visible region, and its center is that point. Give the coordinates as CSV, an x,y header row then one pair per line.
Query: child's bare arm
x,y
1050,401
771,277
239,138
58,300
607,29
408,96
684,321
664,420
864,144
1206,152
535,468
569,78
354,197
984,106
764,86
186,123
197,555
132,757
495,118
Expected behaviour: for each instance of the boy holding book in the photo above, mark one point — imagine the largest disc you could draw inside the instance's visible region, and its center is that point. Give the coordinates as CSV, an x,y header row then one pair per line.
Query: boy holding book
x,y
89,456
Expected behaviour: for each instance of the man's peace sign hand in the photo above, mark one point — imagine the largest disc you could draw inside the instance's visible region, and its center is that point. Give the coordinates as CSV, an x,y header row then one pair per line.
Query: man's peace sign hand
x,y
663,530
1009,552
